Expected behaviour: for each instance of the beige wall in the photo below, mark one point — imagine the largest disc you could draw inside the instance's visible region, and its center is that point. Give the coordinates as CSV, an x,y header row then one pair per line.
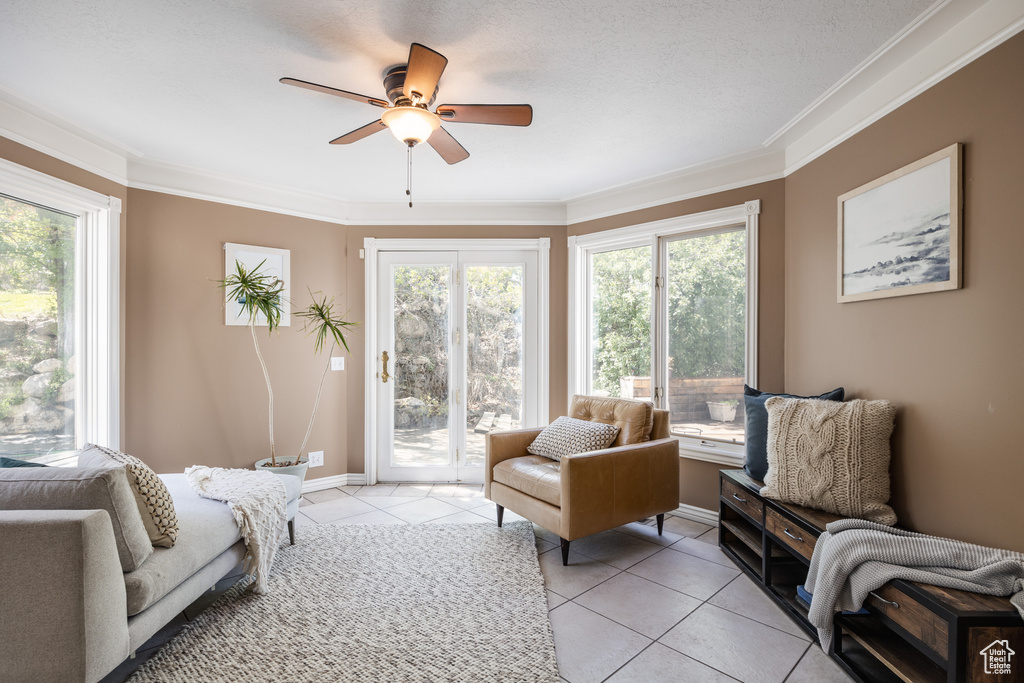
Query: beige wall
x,y
950,361
698,480
194,389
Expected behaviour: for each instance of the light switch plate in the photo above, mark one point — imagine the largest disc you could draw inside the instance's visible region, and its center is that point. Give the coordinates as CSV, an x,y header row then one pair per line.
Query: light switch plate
x,y
316,458
337,362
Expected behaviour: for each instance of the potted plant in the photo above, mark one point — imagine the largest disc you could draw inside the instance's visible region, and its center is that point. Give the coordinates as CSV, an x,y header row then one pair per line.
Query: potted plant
x,y
723,411
259,294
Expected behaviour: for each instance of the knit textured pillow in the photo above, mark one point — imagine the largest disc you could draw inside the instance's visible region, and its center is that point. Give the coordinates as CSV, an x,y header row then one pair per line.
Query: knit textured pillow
x,y
567,435
151,494
831,456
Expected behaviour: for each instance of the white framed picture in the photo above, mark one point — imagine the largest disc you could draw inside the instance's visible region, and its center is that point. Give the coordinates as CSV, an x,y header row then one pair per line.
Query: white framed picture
x,y
276,262
901,234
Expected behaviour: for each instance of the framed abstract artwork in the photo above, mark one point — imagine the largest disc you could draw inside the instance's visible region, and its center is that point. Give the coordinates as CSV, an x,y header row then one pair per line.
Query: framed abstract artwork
x,y
276,263
901,234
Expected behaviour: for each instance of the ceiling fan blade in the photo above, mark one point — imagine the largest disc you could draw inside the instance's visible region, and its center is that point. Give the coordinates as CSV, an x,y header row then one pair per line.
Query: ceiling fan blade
x,y
497,114
423,72
360,133
447,146
334,91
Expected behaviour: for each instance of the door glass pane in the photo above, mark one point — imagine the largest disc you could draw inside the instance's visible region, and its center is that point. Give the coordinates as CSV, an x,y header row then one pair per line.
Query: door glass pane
x,y
494,353
37,336
620,289
707,334
421,365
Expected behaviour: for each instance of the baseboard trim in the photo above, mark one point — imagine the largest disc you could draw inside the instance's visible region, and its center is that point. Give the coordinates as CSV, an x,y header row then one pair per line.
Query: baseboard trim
x,y
702,515
350,479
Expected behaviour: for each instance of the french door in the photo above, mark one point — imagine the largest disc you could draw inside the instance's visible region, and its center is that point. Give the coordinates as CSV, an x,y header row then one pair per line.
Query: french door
x,y
458,353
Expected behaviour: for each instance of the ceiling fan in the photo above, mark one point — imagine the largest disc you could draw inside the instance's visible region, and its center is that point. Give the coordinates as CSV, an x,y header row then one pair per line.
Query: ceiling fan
x,y
411,88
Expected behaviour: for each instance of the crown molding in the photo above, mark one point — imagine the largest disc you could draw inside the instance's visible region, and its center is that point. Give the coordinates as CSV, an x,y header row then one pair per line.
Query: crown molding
x,y
196,183
728,173
45,132
951,34
950,41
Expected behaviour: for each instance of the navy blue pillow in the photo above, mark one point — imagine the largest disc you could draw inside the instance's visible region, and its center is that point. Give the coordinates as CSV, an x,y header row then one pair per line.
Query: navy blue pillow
x,y
15,462
756,463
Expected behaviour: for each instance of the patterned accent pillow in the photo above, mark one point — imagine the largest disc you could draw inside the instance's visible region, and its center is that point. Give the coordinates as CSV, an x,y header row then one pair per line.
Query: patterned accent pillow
x,y
831,456
567,435
151,494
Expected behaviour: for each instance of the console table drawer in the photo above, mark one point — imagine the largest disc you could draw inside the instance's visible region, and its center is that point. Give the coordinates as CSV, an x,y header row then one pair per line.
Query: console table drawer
x,y
743,499
919,621
796,538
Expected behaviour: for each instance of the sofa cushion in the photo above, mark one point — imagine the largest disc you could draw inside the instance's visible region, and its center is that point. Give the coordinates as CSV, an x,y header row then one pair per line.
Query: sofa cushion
x,y
635,419
82,488
567,435
206,528
152,497
831,456
534,475
756,463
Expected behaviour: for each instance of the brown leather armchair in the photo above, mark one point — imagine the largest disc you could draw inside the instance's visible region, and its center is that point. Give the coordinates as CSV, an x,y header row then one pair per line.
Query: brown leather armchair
x,y
637,477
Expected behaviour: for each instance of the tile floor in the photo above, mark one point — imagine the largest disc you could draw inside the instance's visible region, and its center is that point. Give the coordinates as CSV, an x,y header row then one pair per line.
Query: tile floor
x,y
631,605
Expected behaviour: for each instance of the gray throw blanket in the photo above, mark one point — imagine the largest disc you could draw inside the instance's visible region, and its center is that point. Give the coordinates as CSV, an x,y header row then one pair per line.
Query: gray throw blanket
x,y
854,557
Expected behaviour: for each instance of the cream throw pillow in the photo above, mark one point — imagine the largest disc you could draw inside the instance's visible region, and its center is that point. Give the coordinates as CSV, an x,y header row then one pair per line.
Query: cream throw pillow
x,y
831,456
151,494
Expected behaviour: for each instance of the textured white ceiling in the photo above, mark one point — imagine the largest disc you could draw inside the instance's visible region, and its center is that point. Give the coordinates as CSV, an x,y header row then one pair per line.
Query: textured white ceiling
x,y
622,90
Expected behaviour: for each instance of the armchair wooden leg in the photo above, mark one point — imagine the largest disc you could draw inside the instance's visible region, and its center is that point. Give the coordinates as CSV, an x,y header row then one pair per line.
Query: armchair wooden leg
x,y
501,513
565,553
291,531
661,522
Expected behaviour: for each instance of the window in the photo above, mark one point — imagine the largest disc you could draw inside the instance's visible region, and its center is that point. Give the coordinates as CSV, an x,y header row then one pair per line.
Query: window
x,y
666,312
59,322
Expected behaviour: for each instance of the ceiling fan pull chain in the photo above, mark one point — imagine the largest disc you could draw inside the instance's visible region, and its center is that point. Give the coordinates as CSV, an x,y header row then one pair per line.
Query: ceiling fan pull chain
x,y
408,177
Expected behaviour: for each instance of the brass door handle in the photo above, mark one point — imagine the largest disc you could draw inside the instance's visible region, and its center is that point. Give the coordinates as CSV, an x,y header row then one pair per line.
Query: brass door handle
x,y
384,374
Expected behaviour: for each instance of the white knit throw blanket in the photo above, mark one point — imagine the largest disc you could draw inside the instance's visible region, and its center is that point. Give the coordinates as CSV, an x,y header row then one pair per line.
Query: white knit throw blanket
x,y
854,557
258,501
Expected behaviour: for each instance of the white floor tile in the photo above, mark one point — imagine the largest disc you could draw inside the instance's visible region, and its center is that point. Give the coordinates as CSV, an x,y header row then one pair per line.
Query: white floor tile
x,y
650,533
374,517
423,510
658,663
816,667
685,527
685,573
385,502
709,537
740,647
460,517
642,605
554,600
378,490
580,575
590,647
324,495
743,597
336,509
618,550
705,551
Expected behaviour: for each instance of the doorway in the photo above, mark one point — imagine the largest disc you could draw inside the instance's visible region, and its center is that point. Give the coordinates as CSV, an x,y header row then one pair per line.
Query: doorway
x,y
457,354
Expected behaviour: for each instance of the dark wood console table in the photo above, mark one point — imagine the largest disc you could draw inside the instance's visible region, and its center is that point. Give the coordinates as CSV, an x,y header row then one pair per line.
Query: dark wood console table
x,y
912,632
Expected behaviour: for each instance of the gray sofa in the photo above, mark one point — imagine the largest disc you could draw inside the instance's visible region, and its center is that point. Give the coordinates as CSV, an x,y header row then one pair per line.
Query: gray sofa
x,y
82,586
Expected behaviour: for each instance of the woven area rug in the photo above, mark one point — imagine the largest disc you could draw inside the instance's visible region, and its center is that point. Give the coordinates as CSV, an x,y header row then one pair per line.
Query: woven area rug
x,y
425,602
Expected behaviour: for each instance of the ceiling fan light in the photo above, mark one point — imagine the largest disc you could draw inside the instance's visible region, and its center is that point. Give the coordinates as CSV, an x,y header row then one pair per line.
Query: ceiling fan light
x,y
411,125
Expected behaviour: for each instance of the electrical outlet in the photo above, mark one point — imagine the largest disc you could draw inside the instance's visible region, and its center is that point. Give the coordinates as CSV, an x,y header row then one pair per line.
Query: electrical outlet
x,y
316,458
337,362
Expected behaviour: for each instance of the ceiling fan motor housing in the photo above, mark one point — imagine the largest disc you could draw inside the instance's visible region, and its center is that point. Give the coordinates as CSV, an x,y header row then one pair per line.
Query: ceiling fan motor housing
x,y
394,81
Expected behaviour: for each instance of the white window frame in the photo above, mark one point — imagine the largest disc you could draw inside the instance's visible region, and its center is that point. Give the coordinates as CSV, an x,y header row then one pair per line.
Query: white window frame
x,y
582,247
97,295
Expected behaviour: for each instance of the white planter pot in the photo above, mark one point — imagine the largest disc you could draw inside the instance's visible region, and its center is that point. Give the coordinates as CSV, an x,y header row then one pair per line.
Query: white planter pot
x,y
294,470
722,412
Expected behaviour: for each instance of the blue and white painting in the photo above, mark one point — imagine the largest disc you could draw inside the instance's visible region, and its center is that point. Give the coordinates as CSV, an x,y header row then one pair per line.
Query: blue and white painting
x,y
898,234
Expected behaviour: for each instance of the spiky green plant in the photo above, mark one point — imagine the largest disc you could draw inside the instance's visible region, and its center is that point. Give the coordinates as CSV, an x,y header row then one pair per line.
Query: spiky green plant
x,y
261,296
322,322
